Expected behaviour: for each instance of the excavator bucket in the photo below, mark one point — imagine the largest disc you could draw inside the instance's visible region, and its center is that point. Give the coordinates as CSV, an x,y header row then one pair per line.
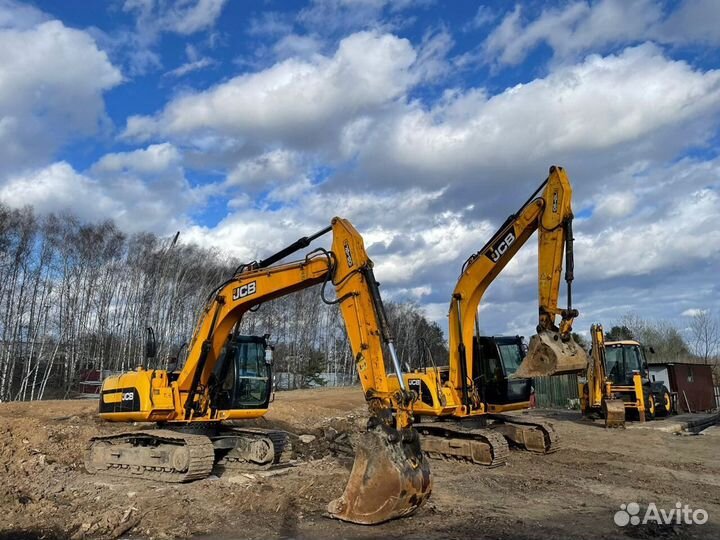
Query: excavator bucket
x,y
389,479
548,354
614,412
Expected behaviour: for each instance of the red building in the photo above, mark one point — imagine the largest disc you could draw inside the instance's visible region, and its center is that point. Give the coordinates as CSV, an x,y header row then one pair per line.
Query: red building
x,y
691,383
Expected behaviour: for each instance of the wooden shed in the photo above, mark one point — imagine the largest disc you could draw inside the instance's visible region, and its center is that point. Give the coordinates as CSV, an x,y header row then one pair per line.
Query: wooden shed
x,y
692,384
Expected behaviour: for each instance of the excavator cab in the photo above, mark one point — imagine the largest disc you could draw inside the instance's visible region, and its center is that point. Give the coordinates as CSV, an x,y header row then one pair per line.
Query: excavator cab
x,y
499,359
242,377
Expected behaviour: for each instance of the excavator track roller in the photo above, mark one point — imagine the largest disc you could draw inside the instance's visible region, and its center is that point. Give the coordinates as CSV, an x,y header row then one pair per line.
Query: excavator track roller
x,y
390,478
548,354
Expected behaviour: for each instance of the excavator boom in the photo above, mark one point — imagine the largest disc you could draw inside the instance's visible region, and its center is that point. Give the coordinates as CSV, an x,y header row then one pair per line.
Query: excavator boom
x,y
552,351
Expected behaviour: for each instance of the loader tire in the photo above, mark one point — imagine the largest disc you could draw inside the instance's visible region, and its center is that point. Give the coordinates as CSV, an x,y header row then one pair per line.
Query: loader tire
x,y
663,404
650,406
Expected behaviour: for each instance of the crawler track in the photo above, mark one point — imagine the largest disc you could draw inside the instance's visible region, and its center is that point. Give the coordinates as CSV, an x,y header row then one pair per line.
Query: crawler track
x,y
161,455
455,441
533,435
275,451
167,455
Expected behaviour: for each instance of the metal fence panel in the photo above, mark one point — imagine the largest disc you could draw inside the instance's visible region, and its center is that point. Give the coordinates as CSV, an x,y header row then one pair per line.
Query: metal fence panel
x,y
560,391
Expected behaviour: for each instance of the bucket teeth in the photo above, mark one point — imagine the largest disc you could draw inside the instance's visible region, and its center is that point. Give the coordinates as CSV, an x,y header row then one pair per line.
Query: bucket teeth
x,y
390,478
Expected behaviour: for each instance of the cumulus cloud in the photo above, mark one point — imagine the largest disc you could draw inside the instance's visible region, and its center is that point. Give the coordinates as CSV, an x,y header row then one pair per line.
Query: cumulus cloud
x,y
694,21
141,190
273,166
296,102
52,80
156,158
407,242
684,235
596,118
348,127
59,187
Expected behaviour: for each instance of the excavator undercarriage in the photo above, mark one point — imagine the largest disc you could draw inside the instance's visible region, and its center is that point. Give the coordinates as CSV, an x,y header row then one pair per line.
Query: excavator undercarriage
x,y
485,440
184,453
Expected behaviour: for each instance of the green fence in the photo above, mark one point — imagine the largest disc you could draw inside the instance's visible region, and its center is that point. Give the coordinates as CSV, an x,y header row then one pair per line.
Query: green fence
x,y
556,392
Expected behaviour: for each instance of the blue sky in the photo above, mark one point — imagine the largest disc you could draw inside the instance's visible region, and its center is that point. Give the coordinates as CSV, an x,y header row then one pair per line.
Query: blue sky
x,y
247,124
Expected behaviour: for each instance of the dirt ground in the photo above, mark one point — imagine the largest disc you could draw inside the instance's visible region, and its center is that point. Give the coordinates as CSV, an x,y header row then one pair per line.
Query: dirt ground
x,y
45,493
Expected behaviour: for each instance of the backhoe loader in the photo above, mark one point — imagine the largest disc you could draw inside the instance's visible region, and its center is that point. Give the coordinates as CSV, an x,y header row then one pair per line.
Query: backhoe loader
x,y
617,382
460,405
227,376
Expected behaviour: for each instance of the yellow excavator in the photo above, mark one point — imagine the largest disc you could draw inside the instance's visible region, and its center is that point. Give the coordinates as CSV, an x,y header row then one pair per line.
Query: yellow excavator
x,y
461,406
228,376
617,382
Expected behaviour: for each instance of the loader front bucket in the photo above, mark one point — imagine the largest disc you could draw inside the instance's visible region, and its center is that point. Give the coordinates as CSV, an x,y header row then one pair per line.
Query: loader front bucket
x,y
389,479
548,354
614,413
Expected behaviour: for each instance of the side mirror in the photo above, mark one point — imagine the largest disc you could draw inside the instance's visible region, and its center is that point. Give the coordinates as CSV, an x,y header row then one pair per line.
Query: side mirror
x,y
268,356
150,343
652,351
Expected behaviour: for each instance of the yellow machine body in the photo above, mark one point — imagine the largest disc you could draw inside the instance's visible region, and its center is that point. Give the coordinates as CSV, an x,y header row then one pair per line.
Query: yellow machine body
x,y
599,394
451,393
181,398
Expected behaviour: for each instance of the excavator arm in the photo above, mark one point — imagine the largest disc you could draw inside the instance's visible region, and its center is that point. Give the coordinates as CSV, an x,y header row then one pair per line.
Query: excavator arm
x,y
552,351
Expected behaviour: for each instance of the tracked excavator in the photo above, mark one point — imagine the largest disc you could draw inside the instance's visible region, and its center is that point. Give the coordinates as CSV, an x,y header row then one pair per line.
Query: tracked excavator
x,y
617,382
227,377
462,407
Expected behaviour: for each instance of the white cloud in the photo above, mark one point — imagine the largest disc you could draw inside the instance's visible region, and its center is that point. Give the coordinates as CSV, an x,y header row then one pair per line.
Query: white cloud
x,y
694,21
693,312
183,16
581,26
573,28
398,229
603,111
335,16
684,234
272,166
141,190
136,47
301,103
59,187
189,67
615,205
52,80
270,23
20,16
156,158
294,45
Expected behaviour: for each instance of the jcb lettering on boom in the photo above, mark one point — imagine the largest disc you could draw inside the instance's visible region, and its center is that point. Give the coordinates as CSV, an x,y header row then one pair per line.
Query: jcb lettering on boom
x,y
499,249
245,290
348,255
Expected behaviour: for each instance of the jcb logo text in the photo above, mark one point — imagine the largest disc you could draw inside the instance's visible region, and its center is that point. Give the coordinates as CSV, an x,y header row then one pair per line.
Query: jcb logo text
x,y
245,290
499,249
